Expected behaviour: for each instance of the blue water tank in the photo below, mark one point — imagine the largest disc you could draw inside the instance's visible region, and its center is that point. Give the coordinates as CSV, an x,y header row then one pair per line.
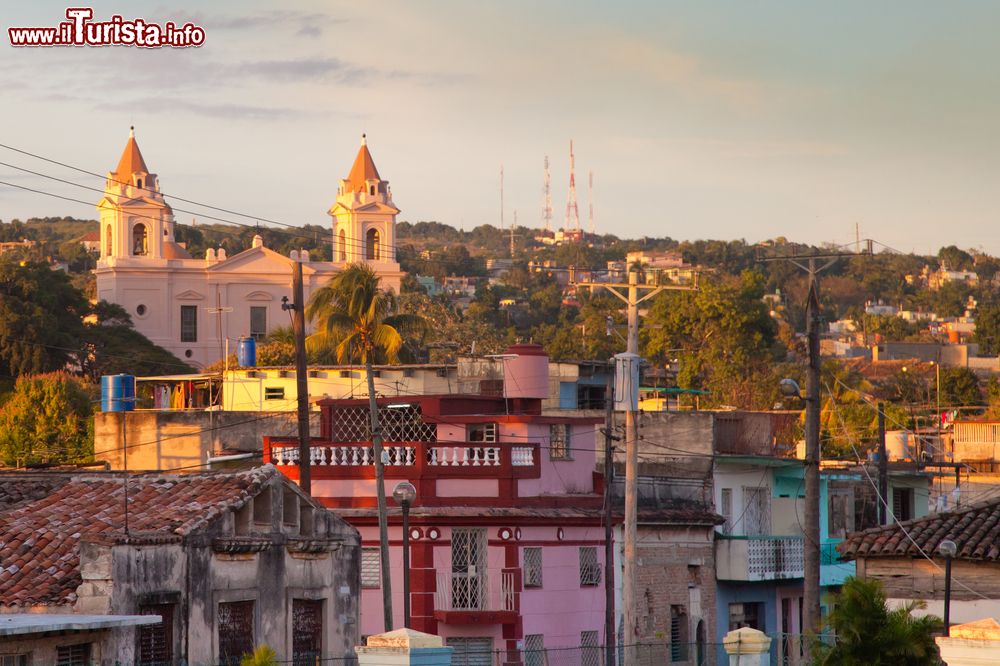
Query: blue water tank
x,y
117,393
246,353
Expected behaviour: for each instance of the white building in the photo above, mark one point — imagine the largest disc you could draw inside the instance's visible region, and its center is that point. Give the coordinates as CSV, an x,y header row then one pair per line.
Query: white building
x,y
192,306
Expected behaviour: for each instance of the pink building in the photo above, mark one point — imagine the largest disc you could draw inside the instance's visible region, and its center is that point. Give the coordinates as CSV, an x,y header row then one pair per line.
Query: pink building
x,y
506,533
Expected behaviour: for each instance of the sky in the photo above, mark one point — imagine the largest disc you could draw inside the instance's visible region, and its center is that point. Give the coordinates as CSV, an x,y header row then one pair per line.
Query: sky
x,y
721,120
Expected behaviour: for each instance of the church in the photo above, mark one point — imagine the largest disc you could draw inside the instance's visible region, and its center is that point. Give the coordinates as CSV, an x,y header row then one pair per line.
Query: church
x,y
193,306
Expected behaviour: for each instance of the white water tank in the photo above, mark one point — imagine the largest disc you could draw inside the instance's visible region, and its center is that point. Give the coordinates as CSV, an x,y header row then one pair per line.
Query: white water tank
x,y
526,372
897,445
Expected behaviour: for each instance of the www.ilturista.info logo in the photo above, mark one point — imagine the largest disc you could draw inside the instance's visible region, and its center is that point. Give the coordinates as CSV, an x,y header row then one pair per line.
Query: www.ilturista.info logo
x,y
79,30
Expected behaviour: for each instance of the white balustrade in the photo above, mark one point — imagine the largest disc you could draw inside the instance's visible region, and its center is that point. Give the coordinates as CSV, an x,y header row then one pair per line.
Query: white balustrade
x,y
522,456
474,592
461,455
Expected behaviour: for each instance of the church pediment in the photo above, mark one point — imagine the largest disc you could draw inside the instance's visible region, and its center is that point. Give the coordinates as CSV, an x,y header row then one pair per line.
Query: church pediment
x,y
371,207
258,260
189,295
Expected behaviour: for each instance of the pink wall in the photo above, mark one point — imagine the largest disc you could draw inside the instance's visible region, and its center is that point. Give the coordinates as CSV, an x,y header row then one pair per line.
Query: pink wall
x,y
559,610
561,477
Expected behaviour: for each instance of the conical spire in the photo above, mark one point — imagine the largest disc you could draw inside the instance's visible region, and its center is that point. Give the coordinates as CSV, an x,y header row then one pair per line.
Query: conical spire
x,y
131,161
363,169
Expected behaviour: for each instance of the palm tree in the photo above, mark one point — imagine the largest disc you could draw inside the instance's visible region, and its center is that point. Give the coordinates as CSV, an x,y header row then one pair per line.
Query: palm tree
x,y
867,632
355,317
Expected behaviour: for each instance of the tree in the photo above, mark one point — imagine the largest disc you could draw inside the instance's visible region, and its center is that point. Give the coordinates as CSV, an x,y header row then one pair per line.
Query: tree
x,y
867,632
988,329
724,337
955,259
355,316
111,345
41,318
46,420
960,387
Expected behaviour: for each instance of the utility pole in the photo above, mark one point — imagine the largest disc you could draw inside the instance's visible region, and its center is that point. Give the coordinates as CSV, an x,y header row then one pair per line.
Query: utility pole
x,y
629,293
883,468
301,374
811,530
609,542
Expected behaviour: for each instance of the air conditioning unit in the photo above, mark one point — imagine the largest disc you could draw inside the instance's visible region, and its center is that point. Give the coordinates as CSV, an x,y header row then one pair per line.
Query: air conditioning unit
x,y
441,372
314,373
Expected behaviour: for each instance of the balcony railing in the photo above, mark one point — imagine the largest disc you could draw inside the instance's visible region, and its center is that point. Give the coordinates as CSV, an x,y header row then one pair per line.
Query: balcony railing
x,y
410,458
472,592
759,557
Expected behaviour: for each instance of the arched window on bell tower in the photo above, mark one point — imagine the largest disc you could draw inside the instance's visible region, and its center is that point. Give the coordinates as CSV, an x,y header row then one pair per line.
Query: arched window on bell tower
x,y
342,245
139,240
108,245
372,245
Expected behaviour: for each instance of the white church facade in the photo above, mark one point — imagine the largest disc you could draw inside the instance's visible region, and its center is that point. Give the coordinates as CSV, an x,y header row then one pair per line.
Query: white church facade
x,y
193,306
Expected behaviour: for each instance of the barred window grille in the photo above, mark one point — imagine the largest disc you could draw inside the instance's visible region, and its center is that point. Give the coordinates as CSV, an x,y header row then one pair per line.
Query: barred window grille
x,y
156,641
678,634
590,650
236,631
73,655
468,569
400,424
307,631
559,438
590,569
371,568
14,660
534,650
532,567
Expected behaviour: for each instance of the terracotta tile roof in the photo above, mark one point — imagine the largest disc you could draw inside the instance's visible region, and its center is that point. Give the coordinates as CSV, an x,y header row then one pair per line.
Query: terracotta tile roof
x,y
172,250
363,169
91,236
40,536
975,530
131,161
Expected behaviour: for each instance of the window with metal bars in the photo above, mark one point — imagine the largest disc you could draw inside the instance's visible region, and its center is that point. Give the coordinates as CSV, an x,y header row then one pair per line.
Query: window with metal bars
x,y
559,438
73,655
678,634
371,568
532,567
726,509
468,569
307,631
590,649
155,642
14,660
590,569
236,631
534,650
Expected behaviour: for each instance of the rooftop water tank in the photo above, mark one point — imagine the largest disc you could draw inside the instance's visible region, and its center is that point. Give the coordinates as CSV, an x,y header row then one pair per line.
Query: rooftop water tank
x,y
246,352
117,393
526,372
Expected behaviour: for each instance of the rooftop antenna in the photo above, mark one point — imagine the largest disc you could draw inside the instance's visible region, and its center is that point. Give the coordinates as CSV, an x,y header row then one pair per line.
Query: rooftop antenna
x,y
512,234
572,213
547,198
501,197
590,201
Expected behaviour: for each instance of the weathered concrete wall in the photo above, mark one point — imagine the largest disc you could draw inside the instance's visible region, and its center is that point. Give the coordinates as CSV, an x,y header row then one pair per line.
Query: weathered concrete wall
x,y
45,649
171,440
196,578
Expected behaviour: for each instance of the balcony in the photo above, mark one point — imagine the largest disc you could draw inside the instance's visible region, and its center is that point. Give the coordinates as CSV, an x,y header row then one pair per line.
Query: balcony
x,y
475,599
333,460
758,558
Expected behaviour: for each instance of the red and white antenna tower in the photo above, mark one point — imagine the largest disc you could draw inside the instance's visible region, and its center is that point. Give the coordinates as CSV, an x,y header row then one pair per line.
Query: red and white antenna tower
x,y
547,198
590,201
572,213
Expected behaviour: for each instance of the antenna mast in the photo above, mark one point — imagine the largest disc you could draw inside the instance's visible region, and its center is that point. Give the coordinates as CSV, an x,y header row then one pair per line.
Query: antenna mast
x,y
501,197
547,198
590,201
572,213
512,234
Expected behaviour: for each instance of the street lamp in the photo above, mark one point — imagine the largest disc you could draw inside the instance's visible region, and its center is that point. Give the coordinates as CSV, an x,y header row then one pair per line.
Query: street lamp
x,y
948,548
404,493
